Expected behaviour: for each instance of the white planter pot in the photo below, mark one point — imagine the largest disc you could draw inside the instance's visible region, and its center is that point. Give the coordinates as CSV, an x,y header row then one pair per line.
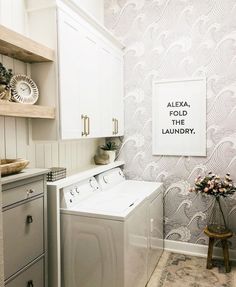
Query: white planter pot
x,y
112,154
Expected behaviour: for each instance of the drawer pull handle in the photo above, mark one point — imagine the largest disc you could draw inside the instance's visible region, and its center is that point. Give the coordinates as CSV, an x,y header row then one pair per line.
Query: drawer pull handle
x,y
29,192
29,219
30,283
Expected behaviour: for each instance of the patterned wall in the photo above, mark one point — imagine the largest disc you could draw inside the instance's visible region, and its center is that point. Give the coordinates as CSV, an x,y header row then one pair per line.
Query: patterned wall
x,y
178,39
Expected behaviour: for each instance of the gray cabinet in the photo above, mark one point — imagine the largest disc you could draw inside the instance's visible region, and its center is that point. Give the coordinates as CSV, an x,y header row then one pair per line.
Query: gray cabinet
x,y
25,229
31,277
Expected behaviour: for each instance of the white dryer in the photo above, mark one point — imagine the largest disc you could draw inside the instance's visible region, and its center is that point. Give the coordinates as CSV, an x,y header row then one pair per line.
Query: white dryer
x,y
97,232
115,180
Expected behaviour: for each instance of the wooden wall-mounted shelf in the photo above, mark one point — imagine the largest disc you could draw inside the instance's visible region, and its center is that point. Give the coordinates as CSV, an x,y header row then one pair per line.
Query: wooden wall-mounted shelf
x,y
17,46
26,111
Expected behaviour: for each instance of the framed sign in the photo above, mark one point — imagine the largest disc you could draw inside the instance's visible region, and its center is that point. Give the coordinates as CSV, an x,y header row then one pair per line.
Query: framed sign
x,y
179,117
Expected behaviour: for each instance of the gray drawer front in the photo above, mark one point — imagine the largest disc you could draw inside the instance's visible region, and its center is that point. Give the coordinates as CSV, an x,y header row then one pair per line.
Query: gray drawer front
x,y
22,192
23,242
34,273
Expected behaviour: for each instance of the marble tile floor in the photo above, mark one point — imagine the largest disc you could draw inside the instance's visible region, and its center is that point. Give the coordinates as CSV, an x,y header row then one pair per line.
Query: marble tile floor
x,y
178,270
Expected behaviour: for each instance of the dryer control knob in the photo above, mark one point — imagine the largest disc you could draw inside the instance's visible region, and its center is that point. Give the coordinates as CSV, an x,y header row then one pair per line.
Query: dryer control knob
x,y
72,193
105,179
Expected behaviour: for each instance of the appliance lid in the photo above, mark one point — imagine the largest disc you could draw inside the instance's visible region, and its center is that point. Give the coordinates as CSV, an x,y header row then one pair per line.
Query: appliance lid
x,y
112,203
140,189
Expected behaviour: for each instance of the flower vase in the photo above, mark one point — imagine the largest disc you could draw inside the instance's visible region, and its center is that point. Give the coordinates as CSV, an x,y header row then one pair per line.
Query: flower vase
x,y
217,220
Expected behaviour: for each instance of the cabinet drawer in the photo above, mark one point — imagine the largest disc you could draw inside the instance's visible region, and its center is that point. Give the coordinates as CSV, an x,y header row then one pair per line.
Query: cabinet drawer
x,y
32,277
23,235
22,192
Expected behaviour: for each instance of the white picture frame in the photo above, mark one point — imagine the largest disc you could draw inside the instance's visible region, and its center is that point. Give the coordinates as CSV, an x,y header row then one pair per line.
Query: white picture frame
x,y
179,117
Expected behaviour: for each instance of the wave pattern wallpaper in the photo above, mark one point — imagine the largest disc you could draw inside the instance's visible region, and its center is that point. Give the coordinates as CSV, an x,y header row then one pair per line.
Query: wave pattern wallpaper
x,y
178,39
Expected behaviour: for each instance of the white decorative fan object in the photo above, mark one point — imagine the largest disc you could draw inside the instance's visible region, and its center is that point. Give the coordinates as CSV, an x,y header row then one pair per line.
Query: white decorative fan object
x,y
23,90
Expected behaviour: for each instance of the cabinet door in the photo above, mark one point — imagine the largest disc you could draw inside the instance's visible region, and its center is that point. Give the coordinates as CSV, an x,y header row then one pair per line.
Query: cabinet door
x,y
33,276
117,93
111,91
23,237
105,91
68,42
87,77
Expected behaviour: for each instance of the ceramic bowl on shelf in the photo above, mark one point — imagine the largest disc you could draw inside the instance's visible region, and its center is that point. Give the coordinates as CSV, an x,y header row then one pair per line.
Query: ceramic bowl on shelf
x,y
11,166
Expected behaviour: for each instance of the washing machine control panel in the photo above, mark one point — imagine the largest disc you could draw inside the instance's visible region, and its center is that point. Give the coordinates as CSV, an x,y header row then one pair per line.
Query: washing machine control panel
x,y
110,178
74,194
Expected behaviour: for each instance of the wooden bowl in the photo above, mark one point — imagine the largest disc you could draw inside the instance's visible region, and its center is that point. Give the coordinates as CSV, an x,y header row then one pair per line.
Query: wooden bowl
x,y
11,166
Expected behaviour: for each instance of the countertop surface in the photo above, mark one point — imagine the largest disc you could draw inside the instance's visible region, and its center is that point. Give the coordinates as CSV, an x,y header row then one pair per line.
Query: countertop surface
x,y
26,173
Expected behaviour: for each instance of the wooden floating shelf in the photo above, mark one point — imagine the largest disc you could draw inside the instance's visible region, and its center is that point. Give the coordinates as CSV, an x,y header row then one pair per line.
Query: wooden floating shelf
x,y
17,46
26,111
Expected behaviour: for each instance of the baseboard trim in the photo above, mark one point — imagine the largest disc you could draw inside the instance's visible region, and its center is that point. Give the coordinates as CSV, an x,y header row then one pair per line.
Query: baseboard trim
x,y
195,249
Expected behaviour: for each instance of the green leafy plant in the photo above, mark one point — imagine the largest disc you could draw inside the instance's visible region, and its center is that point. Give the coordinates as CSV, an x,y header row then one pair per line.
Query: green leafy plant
x,y
5,75
109,146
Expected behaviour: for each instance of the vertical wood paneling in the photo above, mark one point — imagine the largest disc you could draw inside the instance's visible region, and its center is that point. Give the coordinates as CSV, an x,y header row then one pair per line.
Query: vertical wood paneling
x,y
68,156
47,155
21,138
10,122
39,156
62,154
31,155
78,156
19,67
10,137
55,155
73,156
8,62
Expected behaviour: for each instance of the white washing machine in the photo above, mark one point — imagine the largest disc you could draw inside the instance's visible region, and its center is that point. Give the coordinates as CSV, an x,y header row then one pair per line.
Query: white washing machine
x,y
105,234
95,237
153,191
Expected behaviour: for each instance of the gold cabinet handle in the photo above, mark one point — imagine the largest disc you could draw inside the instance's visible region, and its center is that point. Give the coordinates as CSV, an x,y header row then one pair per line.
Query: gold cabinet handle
x,y
117,126
84,125
88,130
113,126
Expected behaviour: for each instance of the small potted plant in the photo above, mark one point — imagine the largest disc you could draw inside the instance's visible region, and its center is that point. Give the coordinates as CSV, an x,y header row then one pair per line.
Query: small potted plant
x,y
110,149
219,188
5,77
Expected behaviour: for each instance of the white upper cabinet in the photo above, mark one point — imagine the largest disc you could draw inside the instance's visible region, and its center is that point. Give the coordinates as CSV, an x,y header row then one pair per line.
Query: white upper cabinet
x,y
105,90
111,90
68,79
88,79
88,75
